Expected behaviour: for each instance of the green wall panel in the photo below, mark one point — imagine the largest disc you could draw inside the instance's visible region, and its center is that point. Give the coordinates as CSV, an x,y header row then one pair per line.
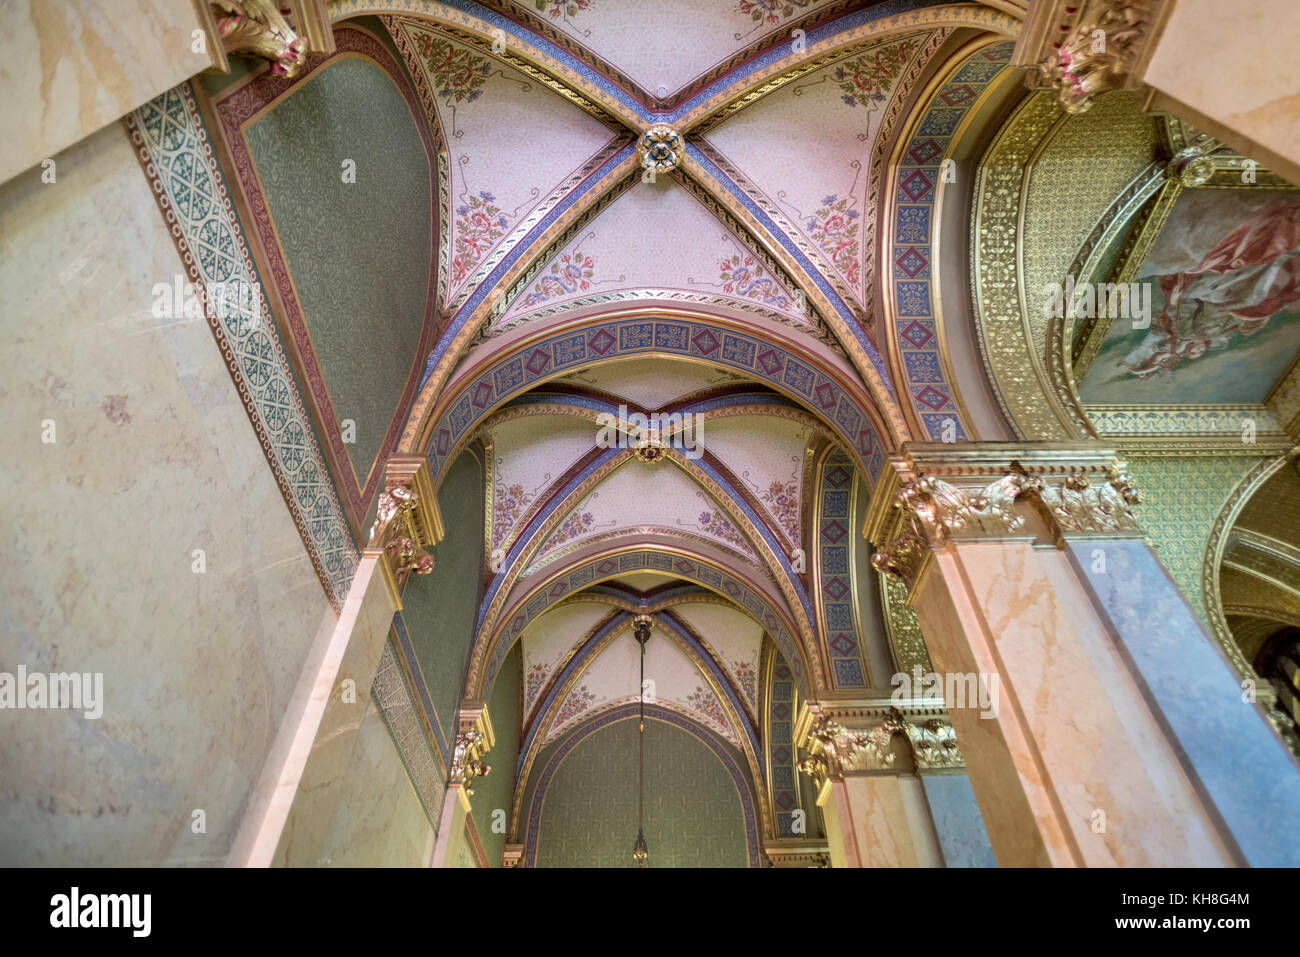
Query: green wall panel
x,y
438,609
693,812
493,792
359,252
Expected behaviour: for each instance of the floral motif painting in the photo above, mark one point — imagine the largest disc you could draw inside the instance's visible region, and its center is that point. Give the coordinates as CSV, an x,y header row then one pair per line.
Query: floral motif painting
x,y
533,682
480,224
458,74
770,12
866,80
578,701
782,500
705,702
571,273
1225,305
834,228
743,278
747,679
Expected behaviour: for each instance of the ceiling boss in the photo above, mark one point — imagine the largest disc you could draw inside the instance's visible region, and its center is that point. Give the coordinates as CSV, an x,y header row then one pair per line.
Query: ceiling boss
x,y
661,151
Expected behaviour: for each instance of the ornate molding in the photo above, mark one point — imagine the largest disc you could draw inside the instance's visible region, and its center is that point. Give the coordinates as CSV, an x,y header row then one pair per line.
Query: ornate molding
x,y
934,745
933,493
407,522
841,736
1081,48
1078,506
796,852
661,149
474,739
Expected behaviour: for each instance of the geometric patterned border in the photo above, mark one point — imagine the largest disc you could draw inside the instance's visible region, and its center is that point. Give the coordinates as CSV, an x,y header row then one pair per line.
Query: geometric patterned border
x,y
834,534
913,277
173,148
768,362
656,713
782,776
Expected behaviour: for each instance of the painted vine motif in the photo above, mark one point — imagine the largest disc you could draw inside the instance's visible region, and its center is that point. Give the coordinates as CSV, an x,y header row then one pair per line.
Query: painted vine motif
x,y
573,526
572,273
457,74
865,80
747,280
770,12
706,703
480,225
782,500
747,679
564,10
533,683
578,701
834,228
508,505
719,526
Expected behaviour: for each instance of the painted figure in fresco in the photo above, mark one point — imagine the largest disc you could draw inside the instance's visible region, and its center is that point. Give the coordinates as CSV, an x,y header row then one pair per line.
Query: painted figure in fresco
x,y
1249,276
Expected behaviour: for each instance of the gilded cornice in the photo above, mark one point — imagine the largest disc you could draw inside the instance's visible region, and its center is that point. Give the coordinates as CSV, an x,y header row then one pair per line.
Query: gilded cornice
x,y
843,737
1191,430
932,493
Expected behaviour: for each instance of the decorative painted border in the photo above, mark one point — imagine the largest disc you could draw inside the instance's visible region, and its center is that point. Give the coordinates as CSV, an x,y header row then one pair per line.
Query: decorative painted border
x,y
401,643
782,775
626,712
913,282
768,362
834,531
237,108
174,150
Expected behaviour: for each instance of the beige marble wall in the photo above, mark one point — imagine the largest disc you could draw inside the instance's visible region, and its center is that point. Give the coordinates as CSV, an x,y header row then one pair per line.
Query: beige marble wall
x,y
1073,735
340,793
72,66
1233,69
154,457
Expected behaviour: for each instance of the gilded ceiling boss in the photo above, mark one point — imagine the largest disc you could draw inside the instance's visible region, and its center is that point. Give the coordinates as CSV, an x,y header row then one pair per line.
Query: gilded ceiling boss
x,y
790,433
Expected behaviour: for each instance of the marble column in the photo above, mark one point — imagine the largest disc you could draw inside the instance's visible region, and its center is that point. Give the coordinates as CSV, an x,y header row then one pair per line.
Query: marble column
x,y
1100,724
862,755
301,785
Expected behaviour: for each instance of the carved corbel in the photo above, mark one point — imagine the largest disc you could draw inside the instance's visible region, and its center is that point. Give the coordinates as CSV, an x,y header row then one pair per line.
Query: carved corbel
x,y
474,739
398,534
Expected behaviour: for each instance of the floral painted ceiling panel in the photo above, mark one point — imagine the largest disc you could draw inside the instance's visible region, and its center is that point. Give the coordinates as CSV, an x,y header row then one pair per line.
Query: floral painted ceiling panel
x,y
808,148
529,454
511,144
655,236
614,679
639,495
736,641
766,454
547,642
645,41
